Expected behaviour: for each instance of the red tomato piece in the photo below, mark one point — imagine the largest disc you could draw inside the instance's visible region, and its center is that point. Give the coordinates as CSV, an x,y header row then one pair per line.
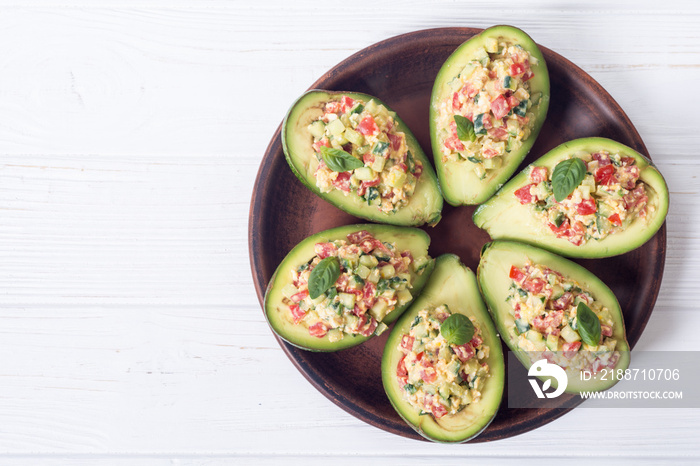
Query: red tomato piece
x,y
369,294
401,367
516,274
438,411
333,106
407,342
395,140
342,182
318,329
464,352
570,349
428,375
456,104
561,230
538,174
297,313
605,175
534,285
517,68
476,341
322,142
500,133
368,126
299,297
523,194
369,328
359,236
563,302
603,159
490,153
586,207
499,107
606,330
615,220
346,103
512,101
324,250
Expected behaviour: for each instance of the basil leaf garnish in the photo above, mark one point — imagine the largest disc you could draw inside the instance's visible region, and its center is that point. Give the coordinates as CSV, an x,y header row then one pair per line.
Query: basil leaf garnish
x,y
465,128
457,329
588,325
339,160
323,276
567,175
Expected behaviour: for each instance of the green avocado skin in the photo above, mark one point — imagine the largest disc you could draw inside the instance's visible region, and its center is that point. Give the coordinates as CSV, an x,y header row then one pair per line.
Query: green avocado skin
x,y
503,217
459,183
455,285
277,313
493,276
426,203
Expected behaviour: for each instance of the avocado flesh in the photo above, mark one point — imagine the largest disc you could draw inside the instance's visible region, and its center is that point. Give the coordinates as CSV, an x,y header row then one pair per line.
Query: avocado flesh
x,y
278,314
459,183
503,217
494,281
424,206
453,284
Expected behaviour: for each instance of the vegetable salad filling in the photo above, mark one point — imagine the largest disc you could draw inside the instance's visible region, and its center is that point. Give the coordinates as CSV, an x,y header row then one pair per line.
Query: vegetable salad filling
x,y
348,287
443,366
556,319
486,115
589,196
360,150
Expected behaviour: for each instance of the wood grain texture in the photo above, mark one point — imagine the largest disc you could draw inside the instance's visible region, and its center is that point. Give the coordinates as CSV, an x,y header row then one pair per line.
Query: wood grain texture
x,y
130,136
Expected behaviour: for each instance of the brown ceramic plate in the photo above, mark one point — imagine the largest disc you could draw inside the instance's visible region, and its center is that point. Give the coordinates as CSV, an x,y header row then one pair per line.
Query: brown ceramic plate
x,y
401,71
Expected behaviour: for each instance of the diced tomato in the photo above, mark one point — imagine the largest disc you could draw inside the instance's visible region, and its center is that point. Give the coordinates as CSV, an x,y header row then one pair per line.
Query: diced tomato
x,y
512,101
603,159
456,104
615,220
297,313
606,330
299,297
368,158
318,329
333,106
417,170
528,75
516,274
489,153
636,197
371,244
438,411
469,90
322,142
464,352
563,302
627,161
605,175
369,327
347,103
395,141
534,285
369,294
401,367
500,133
368,126
517,68
586,207
324,250
570,349
358,310
341,283
428,375
486,121
359,236
402,167
538,174
561,230
407,254
476,341
499,107
523,194
342,182
629,176
407,342
454,144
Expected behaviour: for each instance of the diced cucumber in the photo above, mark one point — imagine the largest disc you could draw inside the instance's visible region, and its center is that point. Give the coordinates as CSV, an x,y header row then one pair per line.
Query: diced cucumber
x,y
378,164
403,296
569,334
521,108
553,342
521,325
380,148
317,129
335,335
534,336
364,174
368,260
509,83
354,137
396,178
363,271
491,45
372,107
479,124
336,128
374,276
387,271
419,263
347,300
289,290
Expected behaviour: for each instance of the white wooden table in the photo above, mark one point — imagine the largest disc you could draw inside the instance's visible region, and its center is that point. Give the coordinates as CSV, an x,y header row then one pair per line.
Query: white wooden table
x,y
130,136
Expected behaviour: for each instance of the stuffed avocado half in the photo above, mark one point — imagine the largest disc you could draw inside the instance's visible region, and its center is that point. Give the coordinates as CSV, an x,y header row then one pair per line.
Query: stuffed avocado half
x,y
547,307
353,151
339,287
442,367
608,202
488,104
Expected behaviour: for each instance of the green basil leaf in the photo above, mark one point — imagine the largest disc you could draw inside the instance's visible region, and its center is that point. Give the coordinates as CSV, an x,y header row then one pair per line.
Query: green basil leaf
x,y
465,129
457,329
323,276
588,325
339,160
567,175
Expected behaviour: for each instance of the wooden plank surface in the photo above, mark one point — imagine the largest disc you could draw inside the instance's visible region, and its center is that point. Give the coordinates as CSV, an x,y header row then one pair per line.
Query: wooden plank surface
x,y
130,136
